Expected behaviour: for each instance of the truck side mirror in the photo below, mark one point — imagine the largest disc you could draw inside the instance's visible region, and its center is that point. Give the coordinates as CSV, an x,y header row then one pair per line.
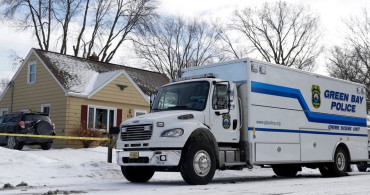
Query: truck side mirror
x,y
152,97
231,92
114,130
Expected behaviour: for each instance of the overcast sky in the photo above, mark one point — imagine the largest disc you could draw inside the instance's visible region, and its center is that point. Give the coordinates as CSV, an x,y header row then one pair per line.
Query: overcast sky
x,y
331,12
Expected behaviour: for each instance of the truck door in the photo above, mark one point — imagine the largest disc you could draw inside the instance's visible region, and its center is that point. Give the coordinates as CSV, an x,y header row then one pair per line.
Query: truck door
x,y
224,123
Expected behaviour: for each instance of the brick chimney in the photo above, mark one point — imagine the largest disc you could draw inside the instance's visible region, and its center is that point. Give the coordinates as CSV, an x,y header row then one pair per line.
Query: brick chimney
x,y
94,57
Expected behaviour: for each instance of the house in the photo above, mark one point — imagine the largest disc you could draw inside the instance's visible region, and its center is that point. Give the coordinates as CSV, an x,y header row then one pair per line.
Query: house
x,y
78,92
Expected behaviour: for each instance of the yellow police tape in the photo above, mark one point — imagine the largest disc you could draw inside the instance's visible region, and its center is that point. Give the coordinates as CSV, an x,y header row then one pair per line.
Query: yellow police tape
x,y
57,137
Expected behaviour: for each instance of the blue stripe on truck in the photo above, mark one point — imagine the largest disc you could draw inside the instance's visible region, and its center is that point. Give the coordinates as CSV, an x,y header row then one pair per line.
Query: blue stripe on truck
x,y
307,132
281,91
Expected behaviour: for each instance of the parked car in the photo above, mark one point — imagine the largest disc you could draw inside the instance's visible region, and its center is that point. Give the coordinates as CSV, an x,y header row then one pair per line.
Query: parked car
x,y
26,123
363,167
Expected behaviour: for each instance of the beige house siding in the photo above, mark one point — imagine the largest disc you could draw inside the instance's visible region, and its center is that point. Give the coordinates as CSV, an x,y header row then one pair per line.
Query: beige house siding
x,y
117,99
113,93
31,96
65,111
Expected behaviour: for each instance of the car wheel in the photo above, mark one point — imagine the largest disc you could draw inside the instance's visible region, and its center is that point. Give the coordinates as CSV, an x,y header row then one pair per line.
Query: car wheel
x,y
46,146
198,164
137,174
13,143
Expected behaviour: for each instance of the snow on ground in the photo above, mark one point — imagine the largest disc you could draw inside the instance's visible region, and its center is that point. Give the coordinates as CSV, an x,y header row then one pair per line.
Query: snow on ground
x,y
80,171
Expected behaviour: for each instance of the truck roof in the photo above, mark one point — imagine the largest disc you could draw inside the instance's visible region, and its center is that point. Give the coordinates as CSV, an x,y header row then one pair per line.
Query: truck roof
x,y
246,60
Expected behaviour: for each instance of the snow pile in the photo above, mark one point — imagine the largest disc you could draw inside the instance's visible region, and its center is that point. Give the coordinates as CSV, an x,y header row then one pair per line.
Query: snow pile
x,y
65,166
79,171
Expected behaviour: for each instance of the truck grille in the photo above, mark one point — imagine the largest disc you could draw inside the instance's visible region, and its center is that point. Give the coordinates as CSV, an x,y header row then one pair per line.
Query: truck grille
x,y
137,132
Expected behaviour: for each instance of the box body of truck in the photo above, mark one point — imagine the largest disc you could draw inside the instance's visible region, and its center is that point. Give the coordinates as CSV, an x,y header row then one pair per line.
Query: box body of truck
x,y
293,116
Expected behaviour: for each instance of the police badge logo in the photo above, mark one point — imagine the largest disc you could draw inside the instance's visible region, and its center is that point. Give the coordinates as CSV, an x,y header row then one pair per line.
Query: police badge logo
x,y
226,121
316,100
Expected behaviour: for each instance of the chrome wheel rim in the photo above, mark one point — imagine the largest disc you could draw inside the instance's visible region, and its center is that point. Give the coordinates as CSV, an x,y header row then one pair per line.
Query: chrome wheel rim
x,y
202,163
341,161
11,142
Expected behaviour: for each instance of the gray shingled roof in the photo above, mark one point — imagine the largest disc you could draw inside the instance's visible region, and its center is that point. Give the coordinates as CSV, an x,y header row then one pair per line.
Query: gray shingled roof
x,y
84,76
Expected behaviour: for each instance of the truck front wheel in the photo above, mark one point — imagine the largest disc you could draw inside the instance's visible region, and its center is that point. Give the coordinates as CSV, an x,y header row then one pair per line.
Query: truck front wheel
x,y
198,164
137,174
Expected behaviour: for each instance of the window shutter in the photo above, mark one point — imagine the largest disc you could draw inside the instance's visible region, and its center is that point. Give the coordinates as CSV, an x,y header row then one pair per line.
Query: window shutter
x,y
119,117
84,116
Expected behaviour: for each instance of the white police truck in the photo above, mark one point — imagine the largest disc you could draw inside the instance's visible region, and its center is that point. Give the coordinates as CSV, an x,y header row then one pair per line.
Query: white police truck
x,y
245,113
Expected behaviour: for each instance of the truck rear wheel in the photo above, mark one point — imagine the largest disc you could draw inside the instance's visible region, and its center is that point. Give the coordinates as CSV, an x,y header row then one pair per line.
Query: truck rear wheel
x,y
137,174
286,170
362,167
198,165
337,168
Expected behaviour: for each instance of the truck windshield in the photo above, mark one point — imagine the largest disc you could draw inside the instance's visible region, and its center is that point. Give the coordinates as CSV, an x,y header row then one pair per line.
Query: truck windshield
x,y
182,96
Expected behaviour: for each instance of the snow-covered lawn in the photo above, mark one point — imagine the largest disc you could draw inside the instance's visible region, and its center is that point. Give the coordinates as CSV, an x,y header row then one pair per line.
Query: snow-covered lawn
x,y
79,171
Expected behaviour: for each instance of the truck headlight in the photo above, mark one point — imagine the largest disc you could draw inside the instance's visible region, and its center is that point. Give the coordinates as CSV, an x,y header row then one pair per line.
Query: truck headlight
x,y
173,132
123,129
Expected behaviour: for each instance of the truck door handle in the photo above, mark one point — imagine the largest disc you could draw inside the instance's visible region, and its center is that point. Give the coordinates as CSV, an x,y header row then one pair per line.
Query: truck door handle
x,y
235,124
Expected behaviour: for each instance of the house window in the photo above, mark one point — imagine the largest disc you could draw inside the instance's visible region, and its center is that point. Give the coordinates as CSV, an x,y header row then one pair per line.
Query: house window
x,y
31,73
101,118
45,108
3,111
139,112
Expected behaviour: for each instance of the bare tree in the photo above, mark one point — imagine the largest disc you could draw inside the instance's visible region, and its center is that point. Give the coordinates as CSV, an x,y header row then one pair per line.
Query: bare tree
x,y
35,14
100,10
283,33
348,64
112,22
76,48
174,43
232,46
15,60
64,11
3,83
127,15
352,60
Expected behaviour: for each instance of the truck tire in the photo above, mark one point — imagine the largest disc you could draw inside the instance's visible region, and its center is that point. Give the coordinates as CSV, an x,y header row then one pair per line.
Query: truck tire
x,y
362,167
198,164
337,168
286,170
137,174
13,143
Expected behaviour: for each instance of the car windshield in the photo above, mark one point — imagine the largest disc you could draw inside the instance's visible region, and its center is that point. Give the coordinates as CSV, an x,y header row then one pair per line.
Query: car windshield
x,y
182,96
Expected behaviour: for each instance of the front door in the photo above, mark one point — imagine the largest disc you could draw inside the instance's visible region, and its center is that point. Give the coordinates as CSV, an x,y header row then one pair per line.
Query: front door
x,y
224,123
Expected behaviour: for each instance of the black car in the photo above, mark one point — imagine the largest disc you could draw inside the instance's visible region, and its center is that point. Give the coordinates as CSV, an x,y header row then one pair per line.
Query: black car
x,y
26,123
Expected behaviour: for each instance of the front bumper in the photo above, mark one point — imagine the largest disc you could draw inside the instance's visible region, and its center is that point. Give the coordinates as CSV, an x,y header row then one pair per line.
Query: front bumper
x,y
149,158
